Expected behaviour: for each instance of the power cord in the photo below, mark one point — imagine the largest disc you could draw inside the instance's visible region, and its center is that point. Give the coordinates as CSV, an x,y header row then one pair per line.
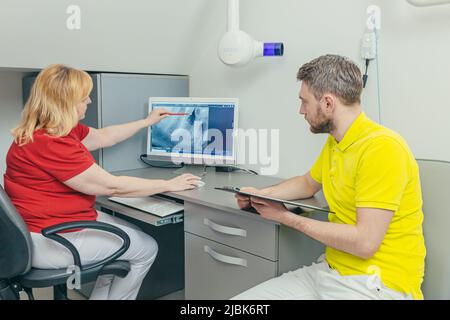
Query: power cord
x,y
142,156
365,76
378,76
369,51
235,168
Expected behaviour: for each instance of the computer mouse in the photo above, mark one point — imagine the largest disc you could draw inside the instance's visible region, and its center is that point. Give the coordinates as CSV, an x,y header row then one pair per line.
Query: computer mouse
x,y
200,183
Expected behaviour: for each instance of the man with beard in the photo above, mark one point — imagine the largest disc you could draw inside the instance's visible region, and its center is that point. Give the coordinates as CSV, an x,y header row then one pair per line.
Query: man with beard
x,y
374,240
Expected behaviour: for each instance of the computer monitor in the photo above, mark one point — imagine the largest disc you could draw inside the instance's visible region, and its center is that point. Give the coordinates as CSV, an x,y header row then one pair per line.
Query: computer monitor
x,y
201,131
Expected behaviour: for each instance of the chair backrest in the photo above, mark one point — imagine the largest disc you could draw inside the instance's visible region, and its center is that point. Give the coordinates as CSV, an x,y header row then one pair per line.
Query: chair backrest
x,y
15,240
435,180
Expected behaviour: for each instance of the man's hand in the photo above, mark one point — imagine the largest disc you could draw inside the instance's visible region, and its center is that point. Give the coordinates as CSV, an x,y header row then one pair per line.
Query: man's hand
x,y
268,209
156,116
244,201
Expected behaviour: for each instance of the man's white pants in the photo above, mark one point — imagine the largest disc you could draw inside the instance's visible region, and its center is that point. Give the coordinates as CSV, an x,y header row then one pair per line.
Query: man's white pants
x,y
95,245
319,281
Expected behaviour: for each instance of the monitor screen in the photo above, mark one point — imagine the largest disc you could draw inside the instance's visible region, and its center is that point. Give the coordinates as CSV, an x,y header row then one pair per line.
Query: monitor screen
x,y
198,131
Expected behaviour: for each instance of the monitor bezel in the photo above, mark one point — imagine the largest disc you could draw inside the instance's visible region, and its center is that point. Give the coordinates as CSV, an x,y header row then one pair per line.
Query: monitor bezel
x,y
201,159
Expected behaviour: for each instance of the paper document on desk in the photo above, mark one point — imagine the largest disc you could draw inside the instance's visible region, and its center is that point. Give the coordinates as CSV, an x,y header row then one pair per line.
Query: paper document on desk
x,y
153,205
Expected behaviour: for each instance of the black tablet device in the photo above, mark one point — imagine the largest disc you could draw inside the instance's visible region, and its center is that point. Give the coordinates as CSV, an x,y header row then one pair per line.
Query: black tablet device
x,y
292,203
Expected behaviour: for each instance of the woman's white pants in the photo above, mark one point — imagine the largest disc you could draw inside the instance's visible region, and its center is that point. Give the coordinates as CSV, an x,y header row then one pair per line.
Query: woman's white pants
x,y
95,245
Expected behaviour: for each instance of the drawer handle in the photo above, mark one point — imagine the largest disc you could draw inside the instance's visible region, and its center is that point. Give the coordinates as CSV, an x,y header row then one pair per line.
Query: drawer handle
x,y
224,229
226,259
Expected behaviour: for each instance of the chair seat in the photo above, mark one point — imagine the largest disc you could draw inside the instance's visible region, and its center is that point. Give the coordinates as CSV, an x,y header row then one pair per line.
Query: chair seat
x,y
41,278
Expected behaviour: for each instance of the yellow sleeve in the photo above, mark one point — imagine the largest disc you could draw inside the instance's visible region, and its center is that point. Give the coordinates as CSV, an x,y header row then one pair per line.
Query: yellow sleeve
x,y
316,169
382,175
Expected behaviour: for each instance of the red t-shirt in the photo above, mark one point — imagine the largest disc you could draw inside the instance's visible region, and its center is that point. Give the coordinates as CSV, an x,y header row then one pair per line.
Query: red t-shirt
x,y
34,179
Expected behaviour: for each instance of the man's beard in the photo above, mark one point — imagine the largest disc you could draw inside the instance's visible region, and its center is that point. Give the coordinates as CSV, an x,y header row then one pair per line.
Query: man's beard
x,y
323,125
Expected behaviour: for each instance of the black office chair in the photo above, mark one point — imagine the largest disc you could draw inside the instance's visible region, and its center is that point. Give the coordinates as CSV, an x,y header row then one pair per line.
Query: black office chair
x,y
16,273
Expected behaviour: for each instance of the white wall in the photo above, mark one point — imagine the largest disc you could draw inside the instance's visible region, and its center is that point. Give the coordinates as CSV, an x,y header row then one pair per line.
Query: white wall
x,y
10,109
148,36
416,76
267,88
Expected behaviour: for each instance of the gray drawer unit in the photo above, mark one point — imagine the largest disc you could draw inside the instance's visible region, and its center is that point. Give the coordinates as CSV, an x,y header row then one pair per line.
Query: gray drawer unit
x,y
216,271
250,235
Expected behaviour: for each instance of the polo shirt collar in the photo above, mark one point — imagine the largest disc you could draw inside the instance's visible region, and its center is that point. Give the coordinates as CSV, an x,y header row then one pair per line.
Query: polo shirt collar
x,y
353,132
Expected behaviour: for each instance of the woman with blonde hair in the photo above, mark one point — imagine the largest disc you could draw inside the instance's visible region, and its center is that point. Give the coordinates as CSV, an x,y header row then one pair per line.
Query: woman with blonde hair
x,y
52,178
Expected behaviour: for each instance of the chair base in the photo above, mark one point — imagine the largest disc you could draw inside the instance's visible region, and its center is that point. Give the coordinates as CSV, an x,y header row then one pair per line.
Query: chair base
x,y
11,291
8,291
60,292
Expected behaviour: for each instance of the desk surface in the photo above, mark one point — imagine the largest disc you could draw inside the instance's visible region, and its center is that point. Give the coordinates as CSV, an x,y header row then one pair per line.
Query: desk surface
x,y
210,197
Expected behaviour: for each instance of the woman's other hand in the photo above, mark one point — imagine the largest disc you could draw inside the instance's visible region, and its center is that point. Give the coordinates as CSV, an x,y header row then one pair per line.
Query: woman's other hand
x,y
185,181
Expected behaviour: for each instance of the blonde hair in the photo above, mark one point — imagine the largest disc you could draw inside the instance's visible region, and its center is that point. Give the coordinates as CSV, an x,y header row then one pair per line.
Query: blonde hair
x,y
52,103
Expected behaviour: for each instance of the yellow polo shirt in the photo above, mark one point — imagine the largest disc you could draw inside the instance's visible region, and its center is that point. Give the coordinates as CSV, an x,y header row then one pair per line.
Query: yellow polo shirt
x,y
373,167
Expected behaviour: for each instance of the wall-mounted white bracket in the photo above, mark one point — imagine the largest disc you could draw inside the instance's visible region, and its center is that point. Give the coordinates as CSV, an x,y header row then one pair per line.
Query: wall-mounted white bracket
x,y
427,3
374,17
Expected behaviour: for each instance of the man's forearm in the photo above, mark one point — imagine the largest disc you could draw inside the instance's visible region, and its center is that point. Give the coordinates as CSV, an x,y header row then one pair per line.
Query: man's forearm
x,y
291,189
343,237
117,133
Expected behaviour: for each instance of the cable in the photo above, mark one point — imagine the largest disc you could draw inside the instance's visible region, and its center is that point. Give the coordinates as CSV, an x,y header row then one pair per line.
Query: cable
x,y
141,157
378,76
235,168
246,170
365,76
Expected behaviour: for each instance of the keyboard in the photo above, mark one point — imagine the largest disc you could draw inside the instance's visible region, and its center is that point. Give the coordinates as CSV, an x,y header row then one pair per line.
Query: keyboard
x,y
154,205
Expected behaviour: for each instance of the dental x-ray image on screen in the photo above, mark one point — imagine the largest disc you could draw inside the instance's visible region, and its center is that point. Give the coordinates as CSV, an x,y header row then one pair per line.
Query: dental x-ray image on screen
x,y
198,131
176,133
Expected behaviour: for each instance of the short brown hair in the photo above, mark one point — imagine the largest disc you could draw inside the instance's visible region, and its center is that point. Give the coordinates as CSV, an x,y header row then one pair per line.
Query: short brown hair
x,y
334,74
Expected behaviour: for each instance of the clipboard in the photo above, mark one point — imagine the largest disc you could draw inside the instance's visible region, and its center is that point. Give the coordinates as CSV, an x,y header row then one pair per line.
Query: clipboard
x,y
292,203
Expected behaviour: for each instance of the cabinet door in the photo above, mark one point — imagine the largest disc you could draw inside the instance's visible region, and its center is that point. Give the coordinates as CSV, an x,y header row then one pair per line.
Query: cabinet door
x,y
216,271
124,98
247,234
